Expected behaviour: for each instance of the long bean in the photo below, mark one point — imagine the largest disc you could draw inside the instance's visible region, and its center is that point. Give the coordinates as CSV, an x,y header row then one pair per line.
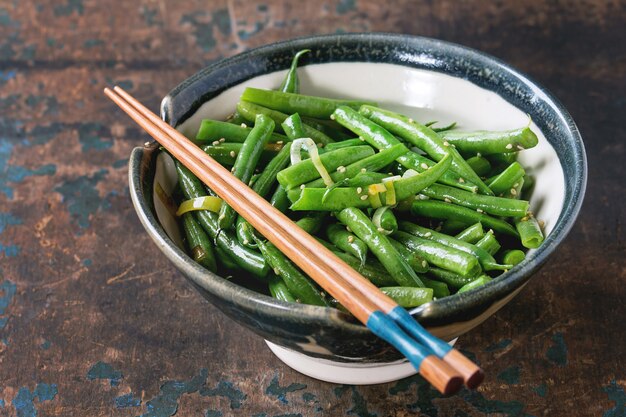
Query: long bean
x,y
409,297
226,153
290,103
446,211
248,259
416,262
489,243
441,255
496,206
472,234
291,82
299,284
424,138
250,110
506,180
247,160
380,247
528,227
484,257
214,130
199,243
489,142
347,242
279,290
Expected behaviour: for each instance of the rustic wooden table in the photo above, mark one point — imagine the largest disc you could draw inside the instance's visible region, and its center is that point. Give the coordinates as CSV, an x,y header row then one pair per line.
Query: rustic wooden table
x,y
94,322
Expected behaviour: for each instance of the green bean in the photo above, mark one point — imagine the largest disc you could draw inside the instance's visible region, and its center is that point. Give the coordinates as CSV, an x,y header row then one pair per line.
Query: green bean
x,y
347,242
236,119
344,197
530,231
199,243
311,106
298,284
440,255
478,282
267,179
496,206
513,256
343,144
250,110
291,83
304,171
247,161
363,166
424,138
507,179
445,211
440,129
415,261
440,289
293,127
380,247
471,234
489,243
248,259
420,163
226,263
214,130
409,297
372,269
328,127
489,142
312,223
500,161
484,257
279,199
226,153
279,289
450,278
528,227
388,221
245,233
480,165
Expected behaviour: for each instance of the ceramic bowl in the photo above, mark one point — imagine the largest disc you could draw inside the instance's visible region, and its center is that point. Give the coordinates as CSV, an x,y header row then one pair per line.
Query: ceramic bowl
x,y
425,78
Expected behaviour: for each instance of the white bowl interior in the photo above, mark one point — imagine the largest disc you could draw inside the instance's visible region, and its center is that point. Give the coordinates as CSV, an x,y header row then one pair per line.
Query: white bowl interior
x,y
421,94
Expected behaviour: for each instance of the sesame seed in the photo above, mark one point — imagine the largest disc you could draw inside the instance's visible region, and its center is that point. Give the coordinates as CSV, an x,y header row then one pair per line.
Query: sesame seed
x,y
541,223
280,142
359,190
380,229
520,147
361,138
221,217
216,142
509,146
524,219
516,185
350,239
146,144
390,173
302,187
320,145
222,140
446,143
479,210
322,293
447,200
423,197
341,169
428,234
233,154
461,180
363,169
332,117
244,125
424,264
364,197
513,191
348,229
232,169
417,197
276,271
424,165
245,242
410,120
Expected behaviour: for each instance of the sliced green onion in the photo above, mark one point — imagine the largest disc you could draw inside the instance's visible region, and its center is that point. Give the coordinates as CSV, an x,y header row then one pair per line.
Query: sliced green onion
x,y
207,202
311,147
390,195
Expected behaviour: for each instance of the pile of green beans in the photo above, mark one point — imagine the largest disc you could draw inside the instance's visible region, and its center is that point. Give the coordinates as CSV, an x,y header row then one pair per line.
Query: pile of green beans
x,y
423,212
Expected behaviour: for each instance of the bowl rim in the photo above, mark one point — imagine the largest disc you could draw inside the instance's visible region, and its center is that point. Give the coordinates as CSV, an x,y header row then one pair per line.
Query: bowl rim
x,y
252,63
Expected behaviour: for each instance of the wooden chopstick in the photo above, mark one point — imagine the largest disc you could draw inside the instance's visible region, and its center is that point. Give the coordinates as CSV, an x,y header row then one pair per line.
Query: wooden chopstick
x,y
370,306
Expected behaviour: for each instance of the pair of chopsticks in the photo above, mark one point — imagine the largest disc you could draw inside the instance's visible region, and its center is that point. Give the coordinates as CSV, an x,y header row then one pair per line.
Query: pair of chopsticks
x,y
443,366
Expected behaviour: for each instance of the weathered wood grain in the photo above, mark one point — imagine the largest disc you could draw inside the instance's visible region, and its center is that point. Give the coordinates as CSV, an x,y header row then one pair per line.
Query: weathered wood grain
x,y
94,323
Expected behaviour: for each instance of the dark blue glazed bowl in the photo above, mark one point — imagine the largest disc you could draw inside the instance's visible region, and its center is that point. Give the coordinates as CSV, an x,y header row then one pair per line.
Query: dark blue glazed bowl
x,y
410,63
